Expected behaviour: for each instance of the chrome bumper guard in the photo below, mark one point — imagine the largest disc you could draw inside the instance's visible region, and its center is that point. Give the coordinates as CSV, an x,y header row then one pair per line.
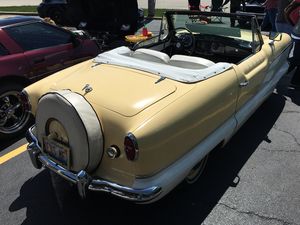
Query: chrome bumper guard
x,y
83,180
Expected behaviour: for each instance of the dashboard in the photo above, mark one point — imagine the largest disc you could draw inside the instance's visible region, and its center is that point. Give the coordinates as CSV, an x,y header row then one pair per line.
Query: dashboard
x,y
211,45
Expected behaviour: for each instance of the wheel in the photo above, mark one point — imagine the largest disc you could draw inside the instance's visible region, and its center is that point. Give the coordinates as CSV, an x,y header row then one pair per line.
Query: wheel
x,y
57,14
14,115
184,40
197,171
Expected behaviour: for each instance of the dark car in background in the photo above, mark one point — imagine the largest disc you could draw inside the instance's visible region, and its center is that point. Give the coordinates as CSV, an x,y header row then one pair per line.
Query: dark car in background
x,y
114,16
31,49
255,6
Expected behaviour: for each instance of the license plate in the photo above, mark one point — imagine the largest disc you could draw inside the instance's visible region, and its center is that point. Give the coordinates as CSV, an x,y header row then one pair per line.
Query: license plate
x,y
57,151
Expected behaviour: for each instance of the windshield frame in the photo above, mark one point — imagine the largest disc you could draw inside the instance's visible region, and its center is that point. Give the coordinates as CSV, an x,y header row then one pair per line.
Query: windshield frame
x,y
248,16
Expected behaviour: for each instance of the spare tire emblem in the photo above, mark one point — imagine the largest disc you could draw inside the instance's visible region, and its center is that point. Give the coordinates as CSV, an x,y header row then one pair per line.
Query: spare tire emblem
x,y
87,88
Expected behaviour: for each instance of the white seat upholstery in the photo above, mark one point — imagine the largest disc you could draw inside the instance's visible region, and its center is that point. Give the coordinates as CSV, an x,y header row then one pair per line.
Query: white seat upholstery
x,y
151,55
190,62
122,56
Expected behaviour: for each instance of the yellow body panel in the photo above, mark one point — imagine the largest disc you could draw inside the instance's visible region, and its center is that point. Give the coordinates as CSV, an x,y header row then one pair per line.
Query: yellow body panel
x,y
202,103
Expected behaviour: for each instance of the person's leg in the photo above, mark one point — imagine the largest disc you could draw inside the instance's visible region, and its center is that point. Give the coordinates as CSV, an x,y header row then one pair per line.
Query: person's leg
x,y
266,20
232,21
216,5
151,8
295,62
194,4
233,9
283,27
295,81
272,18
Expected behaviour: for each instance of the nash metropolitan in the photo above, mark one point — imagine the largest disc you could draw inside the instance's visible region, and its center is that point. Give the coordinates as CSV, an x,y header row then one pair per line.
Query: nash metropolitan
x,y
136,122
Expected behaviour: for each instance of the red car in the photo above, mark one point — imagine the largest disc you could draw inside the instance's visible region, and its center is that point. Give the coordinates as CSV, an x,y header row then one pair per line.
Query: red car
x,y
31,49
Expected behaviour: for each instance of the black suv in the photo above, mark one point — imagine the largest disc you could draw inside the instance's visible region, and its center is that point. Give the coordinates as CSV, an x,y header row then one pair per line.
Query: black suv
x,y
114,16
254,6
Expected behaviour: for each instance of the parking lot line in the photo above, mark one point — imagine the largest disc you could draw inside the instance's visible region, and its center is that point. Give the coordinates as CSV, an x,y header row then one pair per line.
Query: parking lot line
x,y
12,154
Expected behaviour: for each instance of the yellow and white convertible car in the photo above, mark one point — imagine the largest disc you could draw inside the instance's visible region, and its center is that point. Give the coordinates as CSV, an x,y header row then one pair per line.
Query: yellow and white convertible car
x,y
135,122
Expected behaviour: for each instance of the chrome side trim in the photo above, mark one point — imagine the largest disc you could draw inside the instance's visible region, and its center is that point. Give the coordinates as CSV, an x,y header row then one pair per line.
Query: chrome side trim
x,y
84,181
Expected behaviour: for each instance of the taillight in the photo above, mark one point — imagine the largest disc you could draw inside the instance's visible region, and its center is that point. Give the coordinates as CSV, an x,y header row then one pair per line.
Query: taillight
x,y
131,147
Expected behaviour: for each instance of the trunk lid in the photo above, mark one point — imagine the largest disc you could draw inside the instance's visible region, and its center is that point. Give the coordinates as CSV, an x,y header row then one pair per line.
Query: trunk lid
x,y
122,90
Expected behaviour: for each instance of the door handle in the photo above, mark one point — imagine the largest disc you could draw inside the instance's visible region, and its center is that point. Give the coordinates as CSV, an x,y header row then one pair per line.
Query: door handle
x,y
244,84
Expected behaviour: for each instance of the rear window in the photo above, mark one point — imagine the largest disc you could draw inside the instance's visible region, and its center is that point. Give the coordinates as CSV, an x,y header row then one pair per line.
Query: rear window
x,y
3,50
38,35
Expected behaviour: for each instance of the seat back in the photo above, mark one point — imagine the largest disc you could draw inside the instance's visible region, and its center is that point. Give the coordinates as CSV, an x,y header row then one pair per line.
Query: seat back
x,y
151,55
190,62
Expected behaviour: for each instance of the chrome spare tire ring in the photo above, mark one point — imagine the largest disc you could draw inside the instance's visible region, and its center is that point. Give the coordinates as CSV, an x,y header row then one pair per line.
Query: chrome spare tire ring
x,y
67,117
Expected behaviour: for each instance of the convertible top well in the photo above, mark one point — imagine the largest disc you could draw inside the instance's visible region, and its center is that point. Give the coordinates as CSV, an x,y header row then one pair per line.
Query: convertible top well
x,y
159,63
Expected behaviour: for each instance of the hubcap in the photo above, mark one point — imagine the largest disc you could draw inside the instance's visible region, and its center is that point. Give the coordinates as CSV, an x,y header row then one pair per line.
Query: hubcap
x,y
13,115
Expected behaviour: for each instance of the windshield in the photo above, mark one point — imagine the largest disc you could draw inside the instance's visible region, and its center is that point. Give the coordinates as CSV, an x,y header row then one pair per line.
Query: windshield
x,y
220,25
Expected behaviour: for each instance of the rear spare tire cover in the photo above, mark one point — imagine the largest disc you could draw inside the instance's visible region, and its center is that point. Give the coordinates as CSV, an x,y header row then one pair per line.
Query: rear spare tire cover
x,y
80,122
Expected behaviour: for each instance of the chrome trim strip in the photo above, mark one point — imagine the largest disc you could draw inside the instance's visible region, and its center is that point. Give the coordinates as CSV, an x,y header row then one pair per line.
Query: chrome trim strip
x,y
84,181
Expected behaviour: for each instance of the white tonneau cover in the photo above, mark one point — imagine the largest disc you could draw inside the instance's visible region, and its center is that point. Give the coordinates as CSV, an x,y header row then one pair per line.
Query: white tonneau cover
x,y
122,56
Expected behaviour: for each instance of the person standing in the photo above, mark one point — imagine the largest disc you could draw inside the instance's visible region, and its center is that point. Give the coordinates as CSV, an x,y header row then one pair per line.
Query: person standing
x,y
216,5
282,25
128,13
235,5
271,12
151,8
292,13
194,4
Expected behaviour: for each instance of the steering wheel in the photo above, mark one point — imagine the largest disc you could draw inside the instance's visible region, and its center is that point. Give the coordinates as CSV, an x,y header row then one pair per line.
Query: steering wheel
x,y
183,40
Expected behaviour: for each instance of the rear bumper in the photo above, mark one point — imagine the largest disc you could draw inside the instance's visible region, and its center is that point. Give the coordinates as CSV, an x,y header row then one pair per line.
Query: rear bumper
x,y
83,180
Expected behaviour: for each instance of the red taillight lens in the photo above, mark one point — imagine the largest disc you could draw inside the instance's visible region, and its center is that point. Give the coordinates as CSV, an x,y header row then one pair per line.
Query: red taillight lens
x,y
131,147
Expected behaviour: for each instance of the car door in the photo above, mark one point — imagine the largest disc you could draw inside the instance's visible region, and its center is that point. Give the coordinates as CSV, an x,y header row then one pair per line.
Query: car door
x,y
47,48
12,63
251,75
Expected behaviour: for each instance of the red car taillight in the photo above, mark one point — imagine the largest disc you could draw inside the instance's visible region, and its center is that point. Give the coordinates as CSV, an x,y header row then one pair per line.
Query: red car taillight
x,y
131,147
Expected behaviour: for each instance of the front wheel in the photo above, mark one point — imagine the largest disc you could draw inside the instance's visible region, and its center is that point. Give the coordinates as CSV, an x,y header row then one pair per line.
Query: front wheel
x,y
14,114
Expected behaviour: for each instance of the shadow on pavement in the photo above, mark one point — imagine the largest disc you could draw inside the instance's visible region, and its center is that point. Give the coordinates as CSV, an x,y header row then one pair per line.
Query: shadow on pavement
x,y
9,142
185,205
284,89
